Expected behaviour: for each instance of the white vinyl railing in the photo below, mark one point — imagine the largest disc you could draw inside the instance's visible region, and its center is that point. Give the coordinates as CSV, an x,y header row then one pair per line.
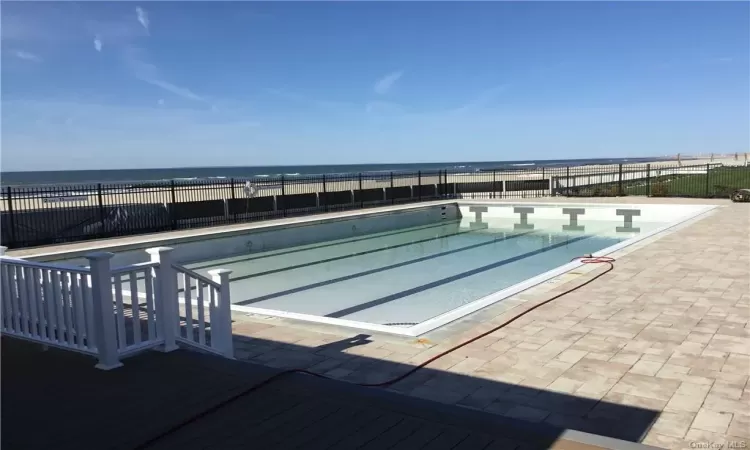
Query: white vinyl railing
x,y
48,304
204,301
113,313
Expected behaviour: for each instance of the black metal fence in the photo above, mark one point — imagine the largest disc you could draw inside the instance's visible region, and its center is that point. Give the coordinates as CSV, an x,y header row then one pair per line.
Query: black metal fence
x,y
44,215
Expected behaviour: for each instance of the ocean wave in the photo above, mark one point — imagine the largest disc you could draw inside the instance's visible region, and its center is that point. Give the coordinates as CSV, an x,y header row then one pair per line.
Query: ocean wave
x,y
524,164
292,174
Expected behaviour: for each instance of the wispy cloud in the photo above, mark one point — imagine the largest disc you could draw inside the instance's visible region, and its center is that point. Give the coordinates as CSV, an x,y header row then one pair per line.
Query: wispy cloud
x,y
142,16
383,85
97,43
483,99
147,72
27,56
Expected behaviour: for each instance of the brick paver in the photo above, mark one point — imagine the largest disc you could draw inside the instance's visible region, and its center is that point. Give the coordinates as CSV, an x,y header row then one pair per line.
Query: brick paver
x,y
667,330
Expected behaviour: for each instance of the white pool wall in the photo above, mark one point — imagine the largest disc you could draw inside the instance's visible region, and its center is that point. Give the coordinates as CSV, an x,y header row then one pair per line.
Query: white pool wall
x,y
276,237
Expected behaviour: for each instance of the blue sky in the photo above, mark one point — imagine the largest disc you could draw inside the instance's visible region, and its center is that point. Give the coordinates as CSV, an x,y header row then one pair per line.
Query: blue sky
x,y
174,84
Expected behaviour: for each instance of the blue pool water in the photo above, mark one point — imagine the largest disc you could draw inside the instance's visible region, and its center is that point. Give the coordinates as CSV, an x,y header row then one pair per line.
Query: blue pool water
x,y
405,276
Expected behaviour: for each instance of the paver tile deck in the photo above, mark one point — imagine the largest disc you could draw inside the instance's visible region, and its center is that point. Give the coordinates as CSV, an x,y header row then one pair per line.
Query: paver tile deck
x,y
668,328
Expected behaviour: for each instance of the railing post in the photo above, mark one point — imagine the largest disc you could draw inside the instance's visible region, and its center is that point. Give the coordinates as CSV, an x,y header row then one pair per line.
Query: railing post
x,y
105,333
619,182
648,180
11,217
166,304
221,329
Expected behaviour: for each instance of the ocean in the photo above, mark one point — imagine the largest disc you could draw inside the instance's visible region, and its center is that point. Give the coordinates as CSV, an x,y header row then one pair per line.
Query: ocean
x,y
131,175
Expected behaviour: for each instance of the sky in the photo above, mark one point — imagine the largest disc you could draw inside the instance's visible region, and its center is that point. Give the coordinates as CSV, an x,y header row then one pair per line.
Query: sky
x,y
112,85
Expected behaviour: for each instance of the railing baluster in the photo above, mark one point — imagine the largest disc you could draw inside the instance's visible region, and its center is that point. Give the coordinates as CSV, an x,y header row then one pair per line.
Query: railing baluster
x,y
87,298
14,293
150,305
68,304
33,317
201,315
49,303
57,301
213,313
77,300
135,308
24,300
122,338
7,312
39,301
187,288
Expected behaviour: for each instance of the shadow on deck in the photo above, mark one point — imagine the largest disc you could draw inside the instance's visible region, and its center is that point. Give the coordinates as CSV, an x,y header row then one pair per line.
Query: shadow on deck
x,y
56,399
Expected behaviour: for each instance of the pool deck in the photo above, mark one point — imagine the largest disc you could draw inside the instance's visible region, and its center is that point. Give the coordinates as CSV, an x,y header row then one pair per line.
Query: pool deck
x,y
667,331
657,351
183,399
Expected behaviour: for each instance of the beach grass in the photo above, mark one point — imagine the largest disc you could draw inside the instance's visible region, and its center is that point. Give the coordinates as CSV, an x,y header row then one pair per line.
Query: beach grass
x,y
719,182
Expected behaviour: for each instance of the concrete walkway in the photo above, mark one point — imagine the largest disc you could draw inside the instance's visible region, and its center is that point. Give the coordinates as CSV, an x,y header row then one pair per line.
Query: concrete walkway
x,y
666,331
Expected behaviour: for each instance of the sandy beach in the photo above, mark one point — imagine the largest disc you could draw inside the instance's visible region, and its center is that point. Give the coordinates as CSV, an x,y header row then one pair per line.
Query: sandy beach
x,y
53,197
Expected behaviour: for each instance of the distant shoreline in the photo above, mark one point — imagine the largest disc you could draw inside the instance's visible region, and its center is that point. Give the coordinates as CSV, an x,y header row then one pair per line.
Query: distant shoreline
x,y
118,176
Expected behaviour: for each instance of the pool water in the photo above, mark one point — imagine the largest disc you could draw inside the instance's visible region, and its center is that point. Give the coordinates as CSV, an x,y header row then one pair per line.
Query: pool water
x,y
403,277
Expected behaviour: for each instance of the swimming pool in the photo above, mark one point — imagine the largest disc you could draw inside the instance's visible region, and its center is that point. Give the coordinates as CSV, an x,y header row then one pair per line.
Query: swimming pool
x,y
406,269
412,277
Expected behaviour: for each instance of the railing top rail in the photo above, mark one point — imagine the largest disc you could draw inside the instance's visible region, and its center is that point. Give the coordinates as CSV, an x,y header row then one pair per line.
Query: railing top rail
x,y
41,265
196,275
132,267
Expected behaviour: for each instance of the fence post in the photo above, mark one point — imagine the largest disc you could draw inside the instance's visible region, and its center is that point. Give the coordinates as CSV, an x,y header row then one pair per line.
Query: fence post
x,y
567,181
708,171
619,182
105,333
325,196
648,180
494,183
11,217
419,185
393,198
166,304
101,206
283,197
361,196
221,335
173,210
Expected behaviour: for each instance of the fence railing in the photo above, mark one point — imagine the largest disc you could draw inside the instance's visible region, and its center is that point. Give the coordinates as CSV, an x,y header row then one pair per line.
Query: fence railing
x,y
112,313
44,215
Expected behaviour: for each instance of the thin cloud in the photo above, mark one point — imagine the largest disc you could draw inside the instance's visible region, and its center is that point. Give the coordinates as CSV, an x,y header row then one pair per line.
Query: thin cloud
x,y
483,99
27,56
149,73
98,44
142,16
383,85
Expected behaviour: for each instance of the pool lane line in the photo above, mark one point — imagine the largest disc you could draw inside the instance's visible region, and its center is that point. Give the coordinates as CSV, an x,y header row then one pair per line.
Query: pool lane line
x,y
379,269
415,290
350,255
315,247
